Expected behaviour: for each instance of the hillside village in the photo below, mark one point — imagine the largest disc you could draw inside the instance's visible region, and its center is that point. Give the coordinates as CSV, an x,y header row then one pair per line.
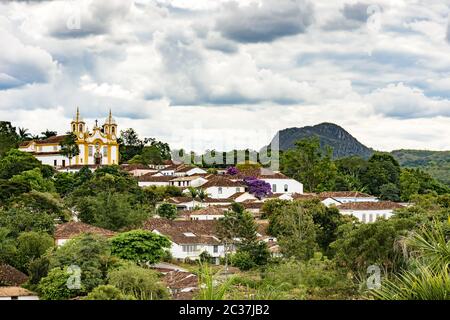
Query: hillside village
x,y
235,218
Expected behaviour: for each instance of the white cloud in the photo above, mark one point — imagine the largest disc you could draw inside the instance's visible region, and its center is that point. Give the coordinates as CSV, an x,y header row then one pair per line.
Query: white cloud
x,y
226,73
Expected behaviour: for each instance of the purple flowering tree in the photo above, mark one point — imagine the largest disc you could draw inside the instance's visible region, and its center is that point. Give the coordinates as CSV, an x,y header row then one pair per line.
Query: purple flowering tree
x,y
259,188
232,171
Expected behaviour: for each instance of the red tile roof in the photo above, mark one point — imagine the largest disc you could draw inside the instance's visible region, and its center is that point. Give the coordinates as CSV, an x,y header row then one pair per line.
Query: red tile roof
x,y
370,205
178,280
345,194
73,229
204,231
221,181
10,276
15,292
150,177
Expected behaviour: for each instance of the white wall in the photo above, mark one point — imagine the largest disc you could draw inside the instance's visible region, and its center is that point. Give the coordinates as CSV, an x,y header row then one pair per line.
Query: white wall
x,y
365,215
152,183
49,159
227,192
293,186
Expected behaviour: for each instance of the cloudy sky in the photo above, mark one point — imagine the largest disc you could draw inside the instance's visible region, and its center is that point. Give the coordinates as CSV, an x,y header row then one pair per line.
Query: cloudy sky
x,y
223,73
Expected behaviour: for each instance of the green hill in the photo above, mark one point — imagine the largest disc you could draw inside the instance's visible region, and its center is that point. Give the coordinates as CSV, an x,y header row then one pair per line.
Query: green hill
x,y
436,163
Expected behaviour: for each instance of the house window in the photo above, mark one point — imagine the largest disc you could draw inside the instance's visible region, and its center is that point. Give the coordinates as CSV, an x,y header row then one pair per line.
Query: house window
x,y
55,148
370,217
55,163
64,163
189,248
91,151
238,189
105,151
363,217
216,249
384,215
220,190
274,188
286,188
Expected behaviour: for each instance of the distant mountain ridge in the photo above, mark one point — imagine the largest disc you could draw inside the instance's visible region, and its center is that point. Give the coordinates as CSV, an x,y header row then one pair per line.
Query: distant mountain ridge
x,y
436,163
329,134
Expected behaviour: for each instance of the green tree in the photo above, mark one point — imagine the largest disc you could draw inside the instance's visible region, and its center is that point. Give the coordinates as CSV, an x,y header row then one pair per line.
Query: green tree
x,y
54,285
142,284
110,210
18,219
7,246
382,169
140,246
30,246
35,180
15,162
389,192
167,210
69,146
91,253
8,138
361,245
310,165
107,292
296,232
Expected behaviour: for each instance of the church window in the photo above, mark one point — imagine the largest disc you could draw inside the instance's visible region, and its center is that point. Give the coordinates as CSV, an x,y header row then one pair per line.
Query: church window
x,y
91,151
74,128
81,128
105,151
113,130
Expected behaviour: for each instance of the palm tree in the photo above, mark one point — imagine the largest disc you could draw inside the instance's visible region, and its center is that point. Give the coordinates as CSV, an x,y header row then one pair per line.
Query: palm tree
x,y
210,288
429,279
69,147
193,193
24,135
47,134
202,195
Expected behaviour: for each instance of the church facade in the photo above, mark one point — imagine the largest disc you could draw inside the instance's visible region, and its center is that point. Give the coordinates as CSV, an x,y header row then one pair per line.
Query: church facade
x,y
97,147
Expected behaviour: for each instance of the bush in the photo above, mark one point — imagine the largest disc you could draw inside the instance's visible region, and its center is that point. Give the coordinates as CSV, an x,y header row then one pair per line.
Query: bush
x,y
54,285
107,292
243,260
141,283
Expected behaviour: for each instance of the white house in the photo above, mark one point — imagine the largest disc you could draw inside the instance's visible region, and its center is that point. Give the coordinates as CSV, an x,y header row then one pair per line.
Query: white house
x,y
282,184
189,238
348,196
150,179
183,171
137,169
221,187
367,212
208,213
187,181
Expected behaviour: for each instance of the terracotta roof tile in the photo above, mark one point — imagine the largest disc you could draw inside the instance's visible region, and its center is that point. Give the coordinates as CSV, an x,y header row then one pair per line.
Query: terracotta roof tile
x,y
15,292
150,177
10,276
345,194
221,181
370,205
73,229
178,231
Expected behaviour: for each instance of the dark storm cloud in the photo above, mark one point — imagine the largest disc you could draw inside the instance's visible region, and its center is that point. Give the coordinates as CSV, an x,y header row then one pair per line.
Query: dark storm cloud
x,y
265,23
